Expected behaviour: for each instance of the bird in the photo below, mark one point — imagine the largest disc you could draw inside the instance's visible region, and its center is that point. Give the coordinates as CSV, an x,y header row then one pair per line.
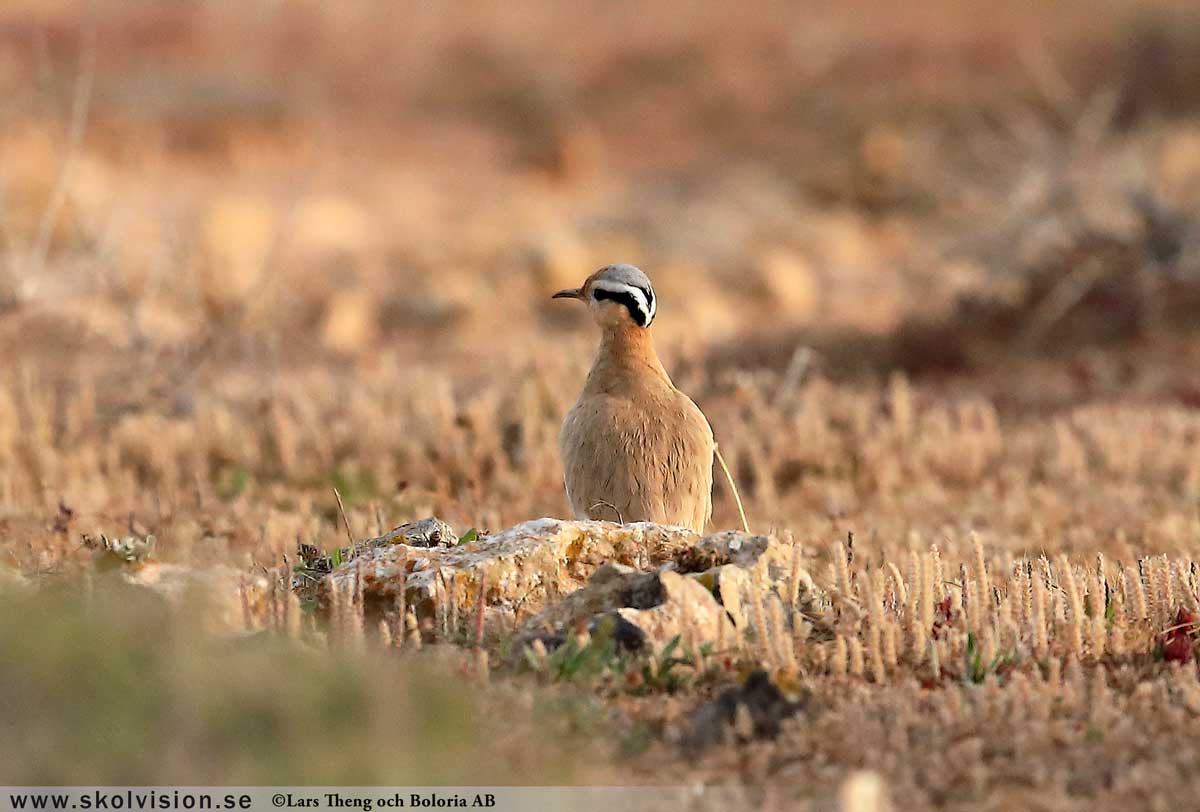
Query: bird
x,y
634,448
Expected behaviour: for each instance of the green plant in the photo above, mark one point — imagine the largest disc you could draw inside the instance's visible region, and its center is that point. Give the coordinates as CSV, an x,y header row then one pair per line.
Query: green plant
x,y
976,670
597,659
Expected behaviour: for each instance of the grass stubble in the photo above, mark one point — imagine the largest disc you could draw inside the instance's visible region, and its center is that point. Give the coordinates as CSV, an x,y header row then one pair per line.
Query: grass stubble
x,y
992,597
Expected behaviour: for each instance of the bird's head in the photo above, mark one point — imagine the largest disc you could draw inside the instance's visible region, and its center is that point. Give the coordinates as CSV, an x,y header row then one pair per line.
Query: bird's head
x,y
617,296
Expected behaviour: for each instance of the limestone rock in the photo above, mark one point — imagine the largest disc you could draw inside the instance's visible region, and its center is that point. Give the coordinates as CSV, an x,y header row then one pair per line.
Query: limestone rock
x,y
735,547
649,607
120,551
429,532
524,568
738,568
705,594
547,579
687,611
611,587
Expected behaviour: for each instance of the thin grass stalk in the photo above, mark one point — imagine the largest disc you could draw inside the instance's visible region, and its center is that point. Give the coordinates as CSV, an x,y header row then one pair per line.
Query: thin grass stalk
x,y
1077,619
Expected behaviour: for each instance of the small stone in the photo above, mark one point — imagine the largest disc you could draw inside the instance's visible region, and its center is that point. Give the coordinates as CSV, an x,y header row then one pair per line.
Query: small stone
x,y
688,611
428,532
660,606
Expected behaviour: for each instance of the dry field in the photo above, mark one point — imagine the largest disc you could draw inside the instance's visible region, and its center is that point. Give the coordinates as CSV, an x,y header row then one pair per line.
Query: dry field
x,y
933,274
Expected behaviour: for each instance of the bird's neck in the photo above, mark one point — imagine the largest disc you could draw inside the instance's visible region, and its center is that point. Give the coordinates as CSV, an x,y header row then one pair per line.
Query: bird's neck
x,y
626,359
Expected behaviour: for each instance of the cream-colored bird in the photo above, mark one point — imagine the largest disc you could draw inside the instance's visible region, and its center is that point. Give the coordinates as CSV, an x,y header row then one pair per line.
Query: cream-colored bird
x,y
634,448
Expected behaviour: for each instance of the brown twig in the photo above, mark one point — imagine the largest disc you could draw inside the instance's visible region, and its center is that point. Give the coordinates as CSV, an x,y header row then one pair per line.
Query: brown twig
x,y
345,520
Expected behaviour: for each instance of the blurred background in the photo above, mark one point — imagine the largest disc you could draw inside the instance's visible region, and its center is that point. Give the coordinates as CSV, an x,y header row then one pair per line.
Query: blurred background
x,y
363,178
274,244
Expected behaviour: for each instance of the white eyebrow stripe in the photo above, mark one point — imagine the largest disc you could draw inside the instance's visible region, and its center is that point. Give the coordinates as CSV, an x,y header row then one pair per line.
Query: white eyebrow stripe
x,y
647,308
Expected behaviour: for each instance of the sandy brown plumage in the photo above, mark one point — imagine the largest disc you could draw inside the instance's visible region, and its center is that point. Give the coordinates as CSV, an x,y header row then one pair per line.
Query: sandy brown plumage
x,y
634,448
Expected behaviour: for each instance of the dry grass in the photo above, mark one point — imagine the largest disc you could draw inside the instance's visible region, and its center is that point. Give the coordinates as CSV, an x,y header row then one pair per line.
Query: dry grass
x,y
932,275
988,679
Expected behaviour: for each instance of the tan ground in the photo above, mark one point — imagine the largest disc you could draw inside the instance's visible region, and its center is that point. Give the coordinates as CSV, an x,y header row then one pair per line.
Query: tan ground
x,y
929,273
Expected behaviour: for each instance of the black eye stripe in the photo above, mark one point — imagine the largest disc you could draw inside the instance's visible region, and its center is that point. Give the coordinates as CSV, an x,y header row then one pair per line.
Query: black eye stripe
x,y
639,316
